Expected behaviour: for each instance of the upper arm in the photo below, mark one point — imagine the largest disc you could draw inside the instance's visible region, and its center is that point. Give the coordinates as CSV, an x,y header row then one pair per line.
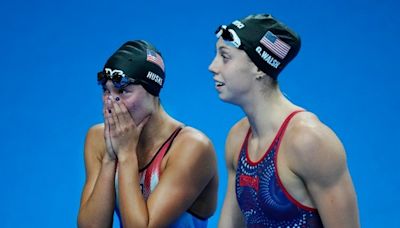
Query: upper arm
x,y
321,163
231,215
93,150
191,166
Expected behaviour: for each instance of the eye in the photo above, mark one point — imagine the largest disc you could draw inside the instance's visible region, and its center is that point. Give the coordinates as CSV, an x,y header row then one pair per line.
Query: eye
x,y
123,91
225,57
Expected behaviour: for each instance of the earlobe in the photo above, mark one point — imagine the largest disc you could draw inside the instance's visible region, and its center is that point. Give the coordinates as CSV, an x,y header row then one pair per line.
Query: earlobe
x,y
257,72
260,74
259,77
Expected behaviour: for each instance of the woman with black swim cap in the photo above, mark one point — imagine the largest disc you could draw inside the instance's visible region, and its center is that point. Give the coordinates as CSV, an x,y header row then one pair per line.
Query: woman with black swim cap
x,y
142,163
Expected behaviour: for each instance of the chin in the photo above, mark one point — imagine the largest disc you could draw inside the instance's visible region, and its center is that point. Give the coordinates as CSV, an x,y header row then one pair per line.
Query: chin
x,y
140,119
136,119
228,100
224,98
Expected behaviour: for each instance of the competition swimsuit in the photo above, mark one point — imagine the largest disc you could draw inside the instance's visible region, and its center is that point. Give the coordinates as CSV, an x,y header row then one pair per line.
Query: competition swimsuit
x,y
262,198
149,177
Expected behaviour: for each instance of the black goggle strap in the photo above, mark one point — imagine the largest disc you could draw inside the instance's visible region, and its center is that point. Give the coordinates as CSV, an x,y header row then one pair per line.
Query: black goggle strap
x,y
101,78
228,35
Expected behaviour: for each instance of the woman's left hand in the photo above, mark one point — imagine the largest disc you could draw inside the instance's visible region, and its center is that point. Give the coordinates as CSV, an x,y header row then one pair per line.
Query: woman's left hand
x,y
124,133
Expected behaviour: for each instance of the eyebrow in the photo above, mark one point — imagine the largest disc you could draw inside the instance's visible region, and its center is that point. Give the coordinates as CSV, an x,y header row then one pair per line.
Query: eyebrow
x,y
223,48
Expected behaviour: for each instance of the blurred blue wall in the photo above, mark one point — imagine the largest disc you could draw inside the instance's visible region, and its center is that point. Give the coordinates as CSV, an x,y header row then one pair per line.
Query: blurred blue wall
x,y
346,72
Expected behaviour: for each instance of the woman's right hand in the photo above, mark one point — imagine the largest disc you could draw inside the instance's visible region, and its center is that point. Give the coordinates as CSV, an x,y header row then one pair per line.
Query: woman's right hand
x,y
110,154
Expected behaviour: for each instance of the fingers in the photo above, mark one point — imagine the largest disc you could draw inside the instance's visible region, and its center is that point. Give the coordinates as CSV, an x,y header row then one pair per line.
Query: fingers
x,y
118,116
106,125
120,119
107,136
105,115
116,112
112,117
123,113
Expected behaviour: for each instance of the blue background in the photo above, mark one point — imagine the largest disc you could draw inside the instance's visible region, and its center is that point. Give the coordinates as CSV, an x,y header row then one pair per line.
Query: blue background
x,y
347,73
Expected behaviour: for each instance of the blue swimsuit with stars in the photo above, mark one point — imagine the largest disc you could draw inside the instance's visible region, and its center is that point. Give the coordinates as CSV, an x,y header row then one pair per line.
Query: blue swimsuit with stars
x,y
262,198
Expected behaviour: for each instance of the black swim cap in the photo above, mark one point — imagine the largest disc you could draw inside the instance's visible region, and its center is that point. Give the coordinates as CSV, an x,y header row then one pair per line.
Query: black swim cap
x,y
141,61
269,43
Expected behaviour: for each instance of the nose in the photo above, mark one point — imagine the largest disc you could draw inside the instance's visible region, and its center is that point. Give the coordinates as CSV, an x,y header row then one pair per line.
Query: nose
x,y
213,66
112,91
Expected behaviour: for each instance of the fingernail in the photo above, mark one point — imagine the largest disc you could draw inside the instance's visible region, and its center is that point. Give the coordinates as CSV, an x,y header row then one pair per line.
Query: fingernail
x,y
117,98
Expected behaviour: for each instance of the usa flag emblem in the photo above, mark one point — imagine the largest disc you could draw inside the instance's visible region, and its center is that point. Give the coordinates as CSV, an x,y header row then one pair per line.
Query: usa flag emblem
x,y
154,57
275,45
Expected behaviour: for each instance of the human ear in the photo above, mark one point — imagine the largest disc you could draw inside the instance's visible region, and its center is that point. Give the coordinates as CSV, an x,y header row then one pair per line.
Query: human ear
x,y
260,74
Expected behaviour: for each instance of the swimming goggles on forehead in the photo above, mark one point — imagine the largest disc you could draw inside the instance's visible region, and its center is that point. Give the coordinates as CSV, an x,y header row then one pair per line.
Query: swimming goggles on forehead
x,y
118,78
228,35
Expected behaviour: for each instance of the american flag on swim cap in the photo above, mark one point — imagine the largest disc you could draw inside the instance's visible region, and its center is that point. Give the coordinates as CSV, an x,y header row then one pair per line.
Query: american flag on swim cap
x,y
154,57
274,44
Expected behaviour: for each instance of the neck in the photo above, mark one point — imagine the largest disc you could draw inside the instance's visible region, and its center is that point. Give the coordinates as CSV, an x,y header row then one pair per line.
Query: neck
x,y
266,111
157,129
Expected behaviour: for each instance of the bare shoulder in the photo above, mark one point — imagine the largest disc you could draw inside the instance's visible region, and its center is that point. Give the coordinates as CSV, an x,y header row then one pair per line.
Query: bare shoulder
x,y
95,133
235,140
192,137
193,145
96,130
94,143
315,152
